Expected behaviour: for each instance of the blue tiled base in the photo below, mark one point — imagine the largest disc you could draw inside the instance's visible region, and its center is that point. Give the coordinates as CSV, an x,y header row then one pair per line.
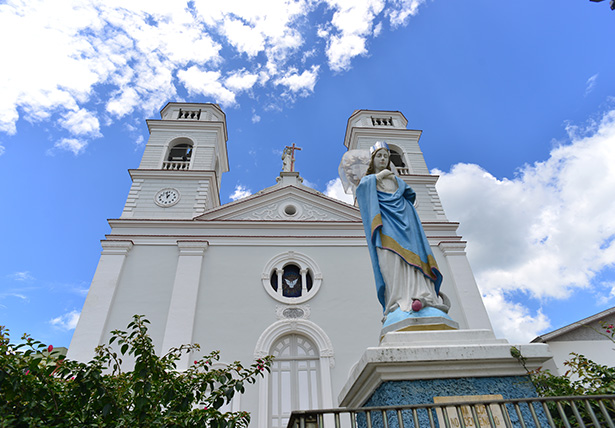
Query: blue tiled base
x,y
396,393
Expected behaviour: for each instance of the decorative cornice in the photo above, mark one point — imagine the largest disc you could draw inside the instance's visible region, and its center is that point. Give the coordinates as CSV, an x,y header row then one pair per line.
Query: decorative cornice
x,y
166,173
192,248
120,248
453,248
163,124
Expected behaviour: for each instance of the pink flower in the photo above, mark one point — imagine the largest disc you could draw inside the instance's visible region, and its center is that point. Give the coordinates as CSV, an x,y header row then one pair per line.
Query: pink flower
x,y
27,372
50,348
608,331
205,408
72,378
195,362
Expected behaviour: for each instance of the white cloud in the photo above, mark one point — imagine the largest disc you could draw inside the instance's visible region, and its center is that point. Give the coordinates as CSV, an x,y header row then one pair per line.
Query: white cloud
x,y
336,190
72,145
137,55
22,276
67,321
603,299
377,29
299,83
343,48
2,149
241,80
255,119
352,24
13,294
81,122
206,83
308,183
405,9
245,38
240,192
513,320
546,232
591,83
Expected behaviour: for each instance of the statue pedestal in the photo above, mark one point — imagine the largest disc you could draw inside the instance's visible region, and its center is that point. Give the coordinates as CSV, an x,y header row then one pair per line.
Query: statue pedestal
x,y
413,367
426,319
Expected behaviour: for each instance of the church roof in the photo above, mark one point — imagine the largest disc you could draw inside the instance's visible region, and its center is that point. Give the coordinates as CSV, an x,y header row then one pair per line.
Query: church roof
x,y
555,334
287,200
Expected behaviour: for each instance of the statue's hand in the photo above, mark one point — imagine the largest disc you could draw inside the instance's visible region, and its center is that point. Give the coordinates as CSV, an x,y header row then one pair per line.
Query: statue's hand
x,y
384,174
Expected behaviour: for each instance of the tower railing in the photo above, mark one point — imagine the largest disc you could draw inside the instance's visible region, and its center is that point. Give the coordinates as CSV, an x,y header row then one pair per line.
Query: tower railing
x,y
176,165
573,411
189,114
403,170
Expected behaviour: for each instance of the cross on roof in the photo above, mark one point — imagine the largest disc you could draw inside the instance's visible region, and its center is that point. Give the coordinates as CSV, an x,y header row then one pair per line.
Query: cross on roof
x,y
292,155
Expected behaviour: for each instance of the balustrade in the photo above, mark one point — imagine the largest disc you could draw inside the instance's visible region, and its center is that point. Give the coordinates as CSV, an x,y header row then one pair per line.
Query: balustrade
x,y
189,114
402,170
176,165
382,121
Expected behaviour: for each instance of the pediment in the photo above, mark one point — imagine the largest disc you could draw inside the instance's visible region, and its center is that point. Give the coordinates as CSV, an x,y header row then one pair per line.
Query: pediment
x,y
288,203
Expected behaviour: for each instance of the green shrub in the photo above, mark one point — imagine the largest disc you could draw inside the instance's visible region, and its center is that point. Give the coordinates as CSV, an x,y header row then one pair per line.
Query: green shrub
x,y
40,387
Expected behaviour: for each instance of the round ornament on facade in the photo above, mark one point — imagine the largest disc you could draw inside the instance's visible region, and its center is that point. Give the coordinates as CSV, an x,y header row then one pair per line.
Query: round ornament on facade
x,y
291,278
290,210
167,197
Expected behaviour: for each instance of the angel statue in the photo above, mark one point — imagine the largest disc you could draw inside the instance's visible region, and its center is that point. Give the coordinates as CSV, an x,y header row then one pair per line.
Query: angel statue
x,y
405,270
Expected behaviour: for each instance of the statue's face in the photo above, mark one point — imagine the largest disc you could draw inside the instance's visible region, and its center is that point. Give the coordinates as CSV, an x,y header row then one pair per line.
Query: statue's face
x,y
381,160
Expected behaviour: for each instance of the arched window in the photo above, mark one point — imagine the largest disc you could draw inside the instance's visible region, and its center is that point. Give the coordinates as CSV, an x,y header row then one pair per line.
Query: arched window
x,y
292,281
304,359
178,154
397,159
294,378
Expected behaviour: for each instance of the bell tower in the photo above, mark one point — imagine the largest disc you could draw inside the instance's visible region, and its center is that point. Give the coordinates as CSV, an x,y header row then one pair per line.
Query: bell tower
x,y
365,127
184,158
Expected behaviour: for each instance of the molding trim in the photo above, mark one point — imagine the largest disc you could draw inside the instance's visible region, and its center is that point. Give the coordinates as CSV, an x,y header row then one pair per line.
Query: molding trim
x,y
120,248
299,326
192,248
450,248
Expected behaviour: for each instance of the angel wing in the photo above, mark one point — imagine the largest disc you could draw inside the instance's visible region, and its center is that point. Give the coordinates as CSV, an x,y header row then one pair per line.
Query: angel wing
x,y
352,168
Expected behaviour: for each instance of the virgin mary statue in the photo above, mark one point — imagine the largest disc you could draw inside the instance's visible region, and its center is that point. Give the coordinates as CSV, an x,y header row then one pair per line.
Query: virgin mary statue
x,y
406,273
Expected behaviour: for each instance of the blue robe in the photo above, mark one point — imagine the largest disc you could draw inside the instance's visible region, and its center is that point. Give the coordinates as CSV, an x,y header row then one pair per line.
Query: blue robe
x,y
392,223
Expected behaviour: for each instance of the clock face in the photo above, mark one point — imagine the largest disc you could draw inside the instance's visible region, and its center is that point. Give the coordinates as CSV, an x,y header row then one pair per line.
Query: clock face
x,y
167,197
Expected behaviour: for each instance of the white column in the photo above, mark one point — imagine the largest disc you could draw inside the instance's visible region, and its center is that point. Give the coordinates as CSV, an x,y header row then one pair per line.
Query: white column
x,y
470,298
91,326
182,310
279,272
326,363
303,272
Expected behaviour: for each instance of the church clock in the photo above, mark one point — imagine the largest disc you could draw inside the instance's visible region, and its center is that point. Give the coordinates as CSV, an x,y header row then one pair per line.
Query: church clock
x,y
167,197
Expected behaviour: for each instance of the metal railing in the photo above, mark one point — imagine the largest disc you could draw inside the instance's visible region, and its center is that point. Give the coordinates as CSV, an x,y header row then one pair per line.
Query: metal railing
x,y
568,412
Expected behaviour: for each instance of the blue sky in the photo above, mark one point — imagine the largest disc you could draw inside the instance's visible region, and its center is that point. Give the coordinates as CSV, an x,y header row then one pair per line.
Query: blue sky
x,y
516,101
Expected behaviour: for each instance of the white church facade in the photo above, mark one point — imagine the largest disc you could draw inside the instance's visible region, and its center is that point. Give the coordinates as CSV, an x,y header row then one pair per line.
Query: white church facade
x,y
284,271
